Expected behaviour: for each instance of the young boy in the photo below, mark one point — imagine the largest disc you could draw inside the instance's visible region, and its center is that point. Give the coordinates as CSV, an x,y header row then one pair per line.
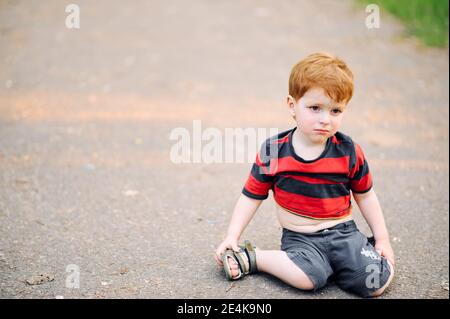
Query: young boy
x,y
312,169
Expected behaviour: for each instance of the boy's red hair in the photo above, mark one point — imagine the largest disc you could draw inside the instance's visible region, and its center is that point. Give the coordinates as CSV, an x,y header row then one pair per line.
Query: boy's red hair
x,y
325,71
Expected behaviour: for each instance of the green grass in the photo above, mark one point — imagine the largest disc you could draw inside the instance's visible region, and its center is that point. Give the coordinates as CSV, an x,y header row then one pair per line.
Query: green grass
x,y
426,19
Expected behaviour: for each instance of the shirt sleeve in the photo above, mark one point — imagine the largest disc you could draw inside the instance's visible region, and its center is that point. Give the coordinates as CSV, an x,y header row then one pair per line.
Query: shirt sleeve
x,y
259,181
360,177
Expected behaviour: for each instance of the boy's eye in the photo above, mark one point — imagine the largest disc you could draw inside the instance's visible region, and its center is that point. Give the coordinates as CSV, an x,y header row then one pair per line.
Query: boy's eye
x,y
314,108
336,111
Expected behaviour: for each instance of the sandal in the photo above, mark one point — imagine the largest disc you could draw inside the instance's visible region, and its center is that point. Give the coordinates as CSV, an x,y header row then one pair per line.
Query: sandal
x,y
246,251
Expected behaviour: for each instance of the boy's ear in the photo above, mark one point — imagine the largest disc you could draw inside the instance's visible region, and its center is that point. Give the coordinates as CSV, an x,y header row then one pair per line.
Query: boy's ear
x,y
290,101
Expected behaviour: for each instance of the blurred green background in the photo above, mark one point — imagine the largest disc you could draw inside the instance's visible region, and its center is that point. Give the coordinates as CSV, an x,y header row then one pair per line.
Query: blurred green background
x,y
425,19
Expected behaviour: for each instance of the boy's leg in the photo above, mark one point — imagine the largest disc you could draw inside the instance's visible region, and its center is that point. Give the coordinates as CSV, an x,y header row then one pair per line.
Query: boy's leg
x,y
380,291
359,267
278,264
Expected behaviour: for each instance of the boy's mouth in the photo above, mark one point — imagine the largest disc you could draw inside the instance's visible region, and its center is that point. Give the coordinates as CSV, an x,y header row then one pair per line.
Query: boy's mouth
x,y
322,131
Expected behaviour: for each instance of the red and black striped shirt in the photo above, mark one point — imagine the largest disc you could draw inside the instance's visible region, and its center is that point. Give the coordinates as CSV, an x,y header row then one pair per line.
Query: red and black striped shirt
x,y
318,188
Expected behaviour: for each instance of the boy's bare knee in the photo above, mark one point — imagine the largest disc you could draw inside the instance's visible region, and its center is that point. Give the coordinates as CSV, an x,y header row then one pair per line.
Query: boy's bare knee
x,y
380,291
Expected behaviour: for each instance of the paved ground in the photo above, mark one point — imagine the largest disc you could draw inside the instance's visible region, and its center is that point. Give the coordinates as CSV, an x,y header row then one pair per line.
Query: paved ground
x,y
85,118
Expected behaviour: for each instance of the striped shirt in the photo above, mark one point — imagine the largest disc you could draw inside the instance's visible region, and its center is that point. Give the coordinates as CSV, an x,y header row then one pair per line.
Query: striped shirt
x,y
318,188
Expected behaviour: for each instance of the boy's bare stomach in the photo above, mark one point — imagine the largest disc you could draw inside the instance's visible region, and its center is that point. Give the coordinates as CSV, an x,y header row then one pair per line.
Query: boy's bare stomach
x,y
301,224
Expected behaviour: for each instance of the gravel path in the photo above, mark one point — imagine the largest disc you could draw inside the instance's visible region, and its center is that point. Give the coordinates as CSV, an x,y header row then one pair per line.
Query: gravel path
x,y
85,118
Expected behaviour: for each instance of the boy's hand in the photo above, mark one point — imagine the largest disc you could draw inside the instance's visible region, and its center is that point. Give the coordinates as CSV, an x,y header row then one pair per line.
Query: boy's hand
x,y
228,242
384,248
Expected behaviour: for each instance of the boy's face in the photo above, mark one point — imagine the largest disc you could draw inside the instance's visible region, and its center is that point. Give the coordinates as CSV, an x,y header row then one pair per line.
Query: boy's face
x,y
318,117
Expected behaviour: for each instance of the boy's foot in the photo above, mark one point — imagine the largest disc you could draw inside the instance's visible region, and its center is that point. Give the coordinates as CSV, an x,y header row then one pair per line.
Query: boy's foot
x,y
234,267
240,263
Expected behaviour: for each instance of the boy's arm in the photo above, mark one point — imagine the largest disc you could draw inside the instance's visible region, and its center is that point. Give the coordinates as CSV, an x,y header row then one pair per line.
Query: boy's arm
x,y
244,211
371,210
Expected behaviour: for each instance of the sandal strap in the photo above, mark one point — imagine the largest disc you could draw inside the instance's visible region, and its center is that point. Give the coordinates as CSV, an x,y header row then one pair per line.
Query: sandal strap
x,y
251,256
241,263
249,250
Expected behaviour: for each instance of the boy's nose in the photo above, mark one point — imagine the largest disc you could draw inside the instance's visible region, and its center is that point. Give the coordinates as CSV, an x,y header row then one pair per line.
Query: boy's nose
x,y
325,118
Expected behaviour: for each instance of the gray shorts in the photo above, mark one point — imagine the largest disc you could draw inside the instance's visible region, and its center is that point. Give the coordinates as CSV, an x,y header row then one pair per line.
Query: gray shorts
x,y
342,253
